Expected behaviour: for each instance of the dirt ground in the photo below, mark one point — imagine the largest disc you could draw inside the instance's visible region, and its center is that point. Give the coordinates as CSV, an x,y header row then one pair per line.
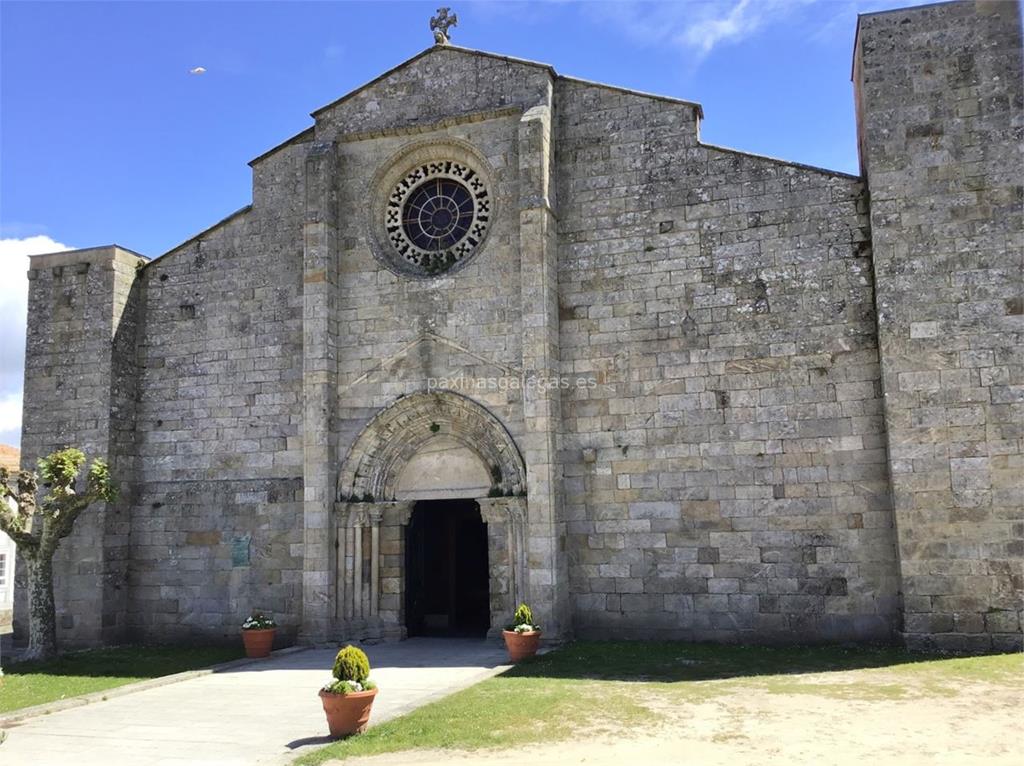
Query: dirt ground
x,y
822,719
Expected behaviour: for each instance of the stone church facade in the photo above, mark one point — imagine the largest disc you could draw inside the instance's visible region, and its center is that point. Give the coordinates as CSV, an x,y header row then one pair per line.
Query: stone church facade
x,y
489,334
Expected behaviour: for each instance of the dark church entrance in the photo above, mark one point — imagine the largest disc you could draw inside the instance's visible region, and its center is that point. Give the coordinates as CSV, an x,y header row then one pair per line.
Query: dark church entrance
x,y
446,574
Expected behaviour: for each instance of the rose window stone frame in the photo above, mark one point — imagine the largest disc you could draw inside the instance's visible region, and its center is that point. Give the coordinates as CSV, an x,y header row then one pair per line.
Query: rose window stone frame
x,y
422,243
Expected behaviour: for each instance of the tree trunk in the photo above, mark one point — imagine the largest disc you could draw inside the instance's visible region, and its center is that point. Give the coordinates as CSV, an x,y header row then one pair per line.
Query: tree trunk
x,y
42,616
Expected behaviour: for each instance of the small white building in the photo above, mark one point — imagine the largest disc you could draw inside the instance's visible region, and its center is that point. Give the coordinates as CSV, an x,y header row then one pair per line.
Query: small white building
x,y
10,457
6,580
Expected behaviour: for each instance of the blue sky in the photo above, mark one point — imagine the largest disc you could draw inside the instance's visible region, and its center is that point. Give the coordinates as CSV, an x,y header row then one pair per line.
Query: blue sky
x,y
105,136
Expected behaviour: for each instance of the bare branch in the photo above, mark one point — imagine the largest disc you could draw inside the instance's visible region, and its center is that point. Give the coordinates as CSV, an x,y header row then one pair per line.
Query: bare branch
x,y
62,519
26,499
15,517
12,526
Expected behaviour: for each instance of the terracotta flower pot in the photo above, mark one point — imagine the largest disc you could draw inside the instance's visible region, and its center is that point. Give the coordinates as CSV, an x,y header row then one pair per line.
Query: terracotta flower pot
x,y
521,645
258,642
347,713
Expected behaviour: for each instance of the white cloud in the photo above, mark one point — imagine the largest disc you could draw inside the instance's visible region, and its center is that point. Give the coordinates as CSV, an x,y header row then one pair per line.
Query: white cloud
x,y
14,255
695,27
10,413
705,34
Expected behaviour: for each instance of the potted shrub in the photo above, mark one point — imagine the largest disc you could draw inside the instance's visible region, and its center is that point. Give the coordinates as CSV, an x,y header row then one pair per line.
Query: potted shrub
x,y
348,696
258,635
522,637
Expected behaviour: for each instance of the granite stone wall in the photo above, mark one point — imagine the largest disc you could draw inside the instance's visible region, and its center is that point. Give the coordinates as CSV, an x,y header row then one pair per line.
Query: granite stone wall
x,y
940,113
217,525
207,553
480,331
726,478
752,400
439,84
80,391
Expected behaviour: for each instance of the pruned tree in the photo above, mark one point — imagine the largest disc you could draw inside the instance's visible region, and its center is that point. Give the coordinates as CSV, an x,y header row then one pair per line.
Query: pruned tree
x,y
38,525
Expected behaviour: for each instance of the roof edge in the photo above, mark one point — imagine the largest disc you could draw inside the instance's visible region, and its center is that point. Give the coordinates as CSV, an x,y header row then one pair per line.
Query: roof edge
x,y
226,219
316,112
633,92
853,53
904,8
802,165
512,60
310,131
500,57
79,251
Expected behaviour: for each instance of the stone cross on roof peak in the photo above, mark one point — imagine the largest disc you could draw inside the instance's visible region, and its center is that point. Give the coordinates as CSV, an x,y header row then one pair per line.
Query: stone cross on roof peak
x,y
440,23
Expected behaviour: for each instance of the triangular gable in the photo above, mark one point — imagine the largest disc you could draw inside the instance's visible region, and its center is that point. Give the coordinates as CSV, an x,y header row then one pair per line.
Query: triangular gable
x,y
315,114
323,113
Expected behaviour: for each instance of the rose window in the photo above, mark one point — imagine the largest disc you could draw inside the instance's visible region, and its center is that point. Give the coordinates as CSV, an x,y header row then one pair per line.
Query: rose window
x,y
437,216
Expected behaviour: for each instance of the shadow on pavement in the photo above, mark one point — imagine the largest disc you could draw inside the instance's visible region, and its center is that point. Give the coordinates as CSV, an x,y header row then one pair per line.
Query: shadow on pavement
x,y
411,653
308,741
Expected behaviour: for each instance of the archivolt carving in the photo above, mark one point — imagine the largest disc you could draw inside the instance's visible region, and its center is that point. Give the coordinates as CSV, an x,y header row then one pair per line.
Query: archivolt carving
x,y
391,439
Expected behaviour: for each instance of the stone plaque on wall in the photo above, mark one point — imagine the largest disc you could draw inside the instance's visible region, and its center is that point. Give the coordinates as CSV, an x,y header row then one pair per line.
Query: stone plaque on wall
x,y
240,551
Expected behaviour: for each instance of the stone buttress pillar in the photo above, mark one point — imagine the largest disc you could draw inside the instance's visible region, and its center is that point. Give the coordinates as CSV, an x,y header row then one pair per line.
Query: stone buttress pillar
x,y
80,391
547,572
319,386
938,93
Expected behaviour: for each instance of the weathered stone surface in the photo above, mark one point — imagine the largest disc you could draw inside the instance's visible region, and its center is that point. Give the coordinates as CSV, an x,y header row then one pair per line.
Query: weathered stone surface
x,y
81,384
738,402
662,371
940,112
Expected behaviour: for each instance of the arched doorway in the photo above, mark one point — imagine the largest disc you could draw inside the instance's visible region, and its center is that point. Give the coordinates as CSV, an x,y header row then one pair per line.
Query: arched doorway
x,y
431,522
447,586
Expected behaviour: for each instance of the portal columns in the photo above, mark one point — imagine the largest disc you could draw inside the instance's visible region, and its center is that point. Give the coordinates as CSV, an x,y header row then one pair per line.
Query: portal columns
x,y
506,556
370,582
370,594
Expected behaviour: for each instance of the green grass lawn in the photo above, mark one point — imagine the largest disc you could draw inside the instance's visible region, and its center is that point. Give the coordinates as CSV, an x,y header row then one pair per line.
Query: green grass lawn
x,y
33,683
598,687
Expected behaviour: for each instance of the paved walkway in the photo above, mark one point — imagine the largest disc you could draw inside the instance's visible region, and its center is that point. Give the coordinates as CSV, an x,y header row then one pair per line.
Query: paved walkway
x,y
261,713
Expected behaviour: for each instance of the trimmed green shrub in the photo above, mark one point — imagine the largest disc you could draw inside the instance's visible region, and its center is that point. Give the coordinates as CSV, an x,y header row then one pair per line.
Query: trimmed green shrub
x,y
523,616
351,664
347,687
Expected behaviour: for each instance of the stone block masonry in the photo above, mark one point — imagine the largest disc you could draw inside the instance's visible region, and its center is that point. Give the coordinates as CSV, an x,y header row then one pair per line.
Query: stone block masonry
x,y
787,402
205,552
941,113
81,384
739,488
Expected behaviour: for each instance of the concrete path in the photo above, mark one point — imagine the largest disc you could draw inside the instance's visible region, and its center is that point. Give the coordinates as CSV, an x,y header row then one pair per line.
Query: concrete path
x,y
263,713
